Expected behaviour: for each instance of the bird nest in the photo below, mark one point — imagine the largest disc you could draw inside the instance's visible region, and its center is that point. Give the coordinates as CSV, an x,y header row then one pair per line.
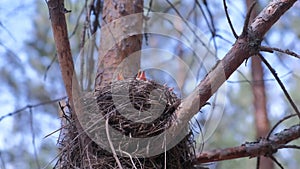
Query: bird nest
x,y
133,109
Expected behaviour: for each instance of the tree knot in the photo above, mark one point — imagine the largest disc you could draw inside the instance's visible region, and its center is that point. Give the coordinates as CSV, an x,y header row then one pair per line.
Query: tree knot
x,y
252,41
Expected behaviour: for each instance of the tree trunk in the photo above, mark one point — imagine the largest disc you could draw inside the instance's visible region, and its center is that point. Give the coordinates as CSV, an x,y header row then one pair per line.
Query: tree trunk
x,y
110,59
262,123
259,101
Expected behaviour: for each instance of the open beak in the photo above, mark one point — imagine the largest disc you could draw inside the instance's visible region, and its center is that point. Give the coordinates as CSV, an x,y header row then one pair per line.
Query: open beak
x,y
120,77
141,76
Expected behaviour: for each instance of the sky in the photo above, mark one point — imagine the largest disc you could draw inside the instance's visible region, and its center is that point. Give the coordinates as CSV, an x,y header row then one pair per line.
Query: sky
x,y
15,28
15,23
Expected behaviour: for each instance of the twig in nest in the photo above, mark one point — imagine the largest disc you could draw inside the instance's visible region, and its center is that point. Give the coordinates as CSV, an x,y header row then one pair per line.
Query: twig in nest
x,y
111,145
130,157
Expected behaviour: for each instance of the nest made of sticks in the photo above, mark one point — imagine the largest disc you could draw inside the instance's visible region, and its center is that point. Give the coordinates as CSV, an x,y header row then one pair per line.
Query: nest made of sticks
x,y
106,107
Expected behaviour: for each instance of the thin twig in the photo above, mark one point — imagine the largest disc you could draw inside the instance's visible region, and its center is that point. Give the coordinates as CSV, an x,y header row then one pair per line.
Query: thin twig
x,y
205,18
8,32
56,157
30,106
276,161
111,145
271,50
11,53
150,7
77,23
54,132
188,25
2,161
33,139
245,28
279,122
211,19
289,146
229,20
131,159
258,163
210,25
49,66
280,84
255,81
88,157
251,149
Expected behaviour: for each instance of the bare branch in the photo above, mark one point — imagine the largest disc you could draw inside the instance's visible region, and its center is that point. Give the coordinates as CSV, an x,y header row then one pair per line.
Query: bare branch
x,y
30,106
279,122
243,48
248,16
229,20
49,66
281,85
276,162
210,24
59,26
248,81
77,23
287,51
262,147
33,139
2,161
258,163
186,23
269,15
7,30
290,146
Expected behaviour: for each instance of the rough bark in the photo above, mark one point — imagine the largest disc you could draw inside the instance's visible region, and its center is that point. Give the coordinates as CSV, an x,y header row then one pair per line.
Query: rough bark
x,y
60,32
262,123
59,26
252,149
108,61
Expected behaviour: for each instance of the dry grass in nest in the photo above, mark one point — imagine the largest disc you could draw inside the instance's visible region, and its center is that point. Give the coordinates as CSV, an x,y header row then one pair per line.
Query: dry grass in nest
x,y
105,108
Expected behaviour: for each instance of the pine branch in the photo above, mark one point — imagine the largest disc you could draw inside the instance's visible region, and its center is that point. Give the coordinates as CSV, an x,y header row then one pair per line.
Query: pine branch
x,y
243,48
263,147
